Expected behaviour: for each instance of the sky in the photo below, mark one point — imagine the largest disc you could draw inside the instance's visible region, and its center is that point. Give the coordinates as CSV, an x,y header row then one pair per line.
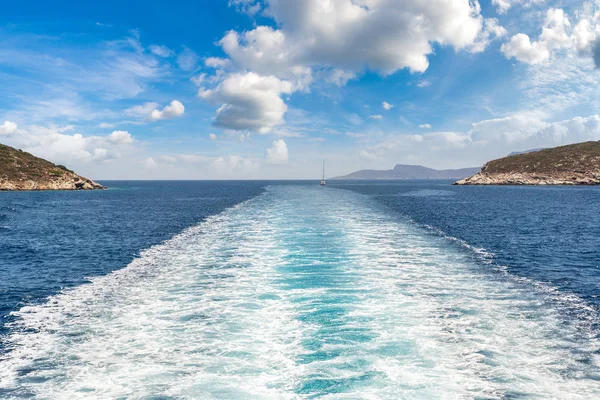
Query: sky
x,y
267,89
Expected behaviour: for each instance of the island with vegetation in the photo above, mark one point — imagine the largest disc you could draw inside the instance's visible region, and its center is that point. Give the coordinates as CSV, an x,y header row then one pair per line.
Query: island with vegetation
x,y
20,170
575,164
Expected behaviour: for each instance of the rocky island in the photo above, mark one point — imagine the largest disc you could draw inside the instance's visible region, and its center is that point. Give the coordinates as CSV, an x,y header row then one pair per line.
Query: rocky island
x,y
20,170
575,164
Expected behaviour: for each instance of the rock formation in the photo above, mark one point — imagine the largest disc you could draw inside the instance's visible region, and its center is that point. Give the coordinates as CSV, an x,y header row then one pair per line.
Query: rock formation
x,y
575,164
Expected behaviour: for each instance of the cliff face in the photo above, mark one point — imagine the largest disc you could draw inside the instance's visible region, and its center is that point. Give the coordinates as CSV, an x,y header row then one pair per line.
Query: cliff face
x,y
20,170
576,164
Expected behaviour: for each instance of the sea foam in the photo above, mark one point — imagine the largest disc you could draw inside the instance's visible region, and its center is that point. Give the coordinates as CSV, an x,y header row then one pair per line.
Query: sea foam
x,y
300,293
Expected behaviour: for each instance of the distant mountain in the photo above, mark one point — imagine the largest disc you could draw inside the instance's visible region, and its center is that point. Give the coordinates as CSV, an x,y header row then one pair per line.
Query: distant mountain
x,y
20,170
411,172
574,164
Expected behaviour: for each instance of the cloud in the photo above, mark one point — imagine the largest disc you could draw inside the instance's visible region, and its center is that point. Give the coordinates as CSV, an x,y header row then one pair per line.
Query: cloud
x,y
334,41
379,35
150,112
250,7
263,50
198,80
568,81
492,30
46,83
425,126
355,135
141,111
59,145
187,59
423,83
339,77
504,5
175,109
278,153
367,155
509,129
557,34
198,166
106,125
387,106
377,116
120,137
216,62
486,140
161,51
233,165
212,136
8,128
521,48
150,163
523,130
249,101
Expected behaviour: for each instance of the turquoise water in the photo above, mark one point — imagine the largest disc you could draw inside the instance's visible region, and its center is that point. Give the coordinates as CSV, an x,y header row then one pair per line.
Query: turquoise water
x,y
305,292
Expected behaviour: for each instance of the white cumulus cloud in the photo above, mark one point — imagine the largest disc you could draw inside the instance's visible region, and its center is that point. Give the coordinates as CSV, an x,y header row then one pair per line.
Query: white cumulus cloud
x,y
151,112
335,41
387,106
58,145
120,137
425,126
175,109
557,34
8,128
278,153
486,140
381,35
524,50
249,101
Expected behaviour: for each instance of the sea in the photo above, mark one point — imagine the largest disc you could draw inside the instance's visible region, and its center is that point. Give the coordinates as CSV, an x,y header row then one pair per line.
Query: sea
x,y
161,290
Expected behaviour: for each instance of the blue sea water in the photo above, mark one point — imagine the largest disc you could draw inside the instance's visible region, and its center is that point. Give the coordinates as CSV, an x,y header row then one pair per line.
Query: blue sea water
x,y
287,290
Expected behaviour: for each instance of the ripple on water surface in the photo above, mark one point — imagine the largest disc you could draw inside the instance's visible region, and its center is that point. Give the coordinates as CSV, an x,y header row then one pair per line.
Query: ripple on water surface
x,y
300,293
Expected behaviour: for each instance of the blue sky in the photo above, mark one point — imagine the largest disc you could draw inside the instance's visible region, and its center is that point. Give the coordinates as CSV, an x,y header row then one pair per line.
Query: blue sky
x,y
268,88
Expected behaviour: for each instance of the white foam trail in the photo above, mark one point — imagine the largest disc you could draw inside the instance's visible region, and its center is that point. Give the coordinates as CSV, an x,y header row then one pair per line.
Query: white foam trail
x,y
481,335
195,317
301,293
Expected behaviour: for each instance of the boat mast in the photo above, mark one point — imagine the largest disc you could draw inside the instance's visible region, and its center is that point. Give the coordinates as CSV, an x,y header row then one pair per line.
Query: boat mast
x,y
323,169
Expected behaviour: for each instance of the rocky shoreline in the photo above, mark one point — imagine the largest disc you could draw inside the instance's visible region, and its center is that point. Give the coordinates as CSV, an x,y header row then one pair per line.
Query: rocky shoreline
x,y
66,182
573,164
520,178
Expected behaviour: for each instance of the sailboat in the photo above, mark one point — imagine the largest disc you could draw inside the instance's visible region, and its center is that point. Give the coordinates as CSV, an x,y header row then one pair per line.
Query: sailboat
x,y
323,183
